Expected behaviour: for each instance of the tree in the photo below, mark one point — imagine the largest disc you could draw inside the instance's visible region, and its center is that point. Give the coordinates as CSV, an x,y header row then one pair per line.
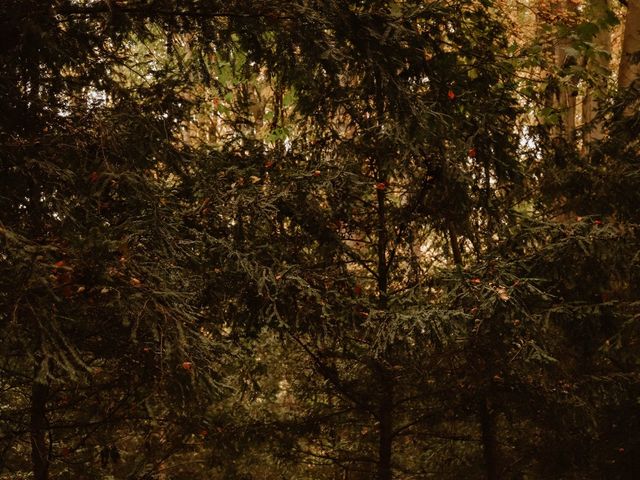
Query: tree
x,y
326,239
99,318
328,230
628,71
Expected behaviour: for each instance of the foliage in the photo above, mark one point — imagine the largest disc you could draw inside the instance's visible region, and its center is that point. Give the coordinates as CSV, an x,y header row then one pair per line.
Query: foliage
x,y
310,239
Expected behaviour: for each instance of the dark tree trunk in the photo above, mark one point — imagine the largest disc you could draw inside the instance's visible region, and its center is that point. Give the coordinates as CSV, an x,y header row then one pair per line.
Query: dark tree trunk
x,y
489,440
38,424
385,446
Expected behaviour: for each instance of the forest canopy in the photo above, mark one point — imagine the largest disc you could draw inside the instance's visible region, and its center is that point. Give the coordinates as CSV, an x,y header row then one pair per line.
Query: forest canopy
x,y
319,239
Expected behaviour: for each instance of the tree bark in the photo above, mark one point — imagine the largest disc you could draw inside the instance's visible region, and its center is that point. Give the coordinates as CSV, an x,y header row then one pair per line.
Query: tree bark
x,y
385,446
562,88
565,101
489,440
598,67
38,427
385,407
629,70
485,413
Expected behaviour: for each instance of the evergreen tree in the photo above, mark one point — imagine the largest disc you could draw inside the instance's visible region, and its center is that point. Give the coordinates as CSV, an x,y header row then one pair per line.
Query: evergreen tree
x,y
313,239
100,321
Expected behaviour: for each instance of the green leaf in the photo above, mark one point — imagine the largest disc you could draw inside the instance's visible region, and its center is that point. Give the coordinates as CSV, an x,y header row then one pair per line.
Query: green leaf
x,y
586,31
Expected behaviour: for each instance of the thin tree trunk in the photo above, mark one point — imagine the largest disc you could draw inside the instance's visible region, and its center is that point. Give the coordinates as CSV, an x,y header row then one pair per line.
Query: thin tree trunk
x,y
38,426
385,446
630,71
385,407
487,418
489,440
385,411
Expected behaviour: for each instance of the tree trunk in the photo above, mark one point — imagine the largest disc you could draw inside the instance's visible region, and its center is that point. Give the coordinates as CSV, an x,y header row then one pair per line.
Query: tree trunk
x,y
385,415
565,101
489,440
560,95
598,67
487,419
629,70
38,426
